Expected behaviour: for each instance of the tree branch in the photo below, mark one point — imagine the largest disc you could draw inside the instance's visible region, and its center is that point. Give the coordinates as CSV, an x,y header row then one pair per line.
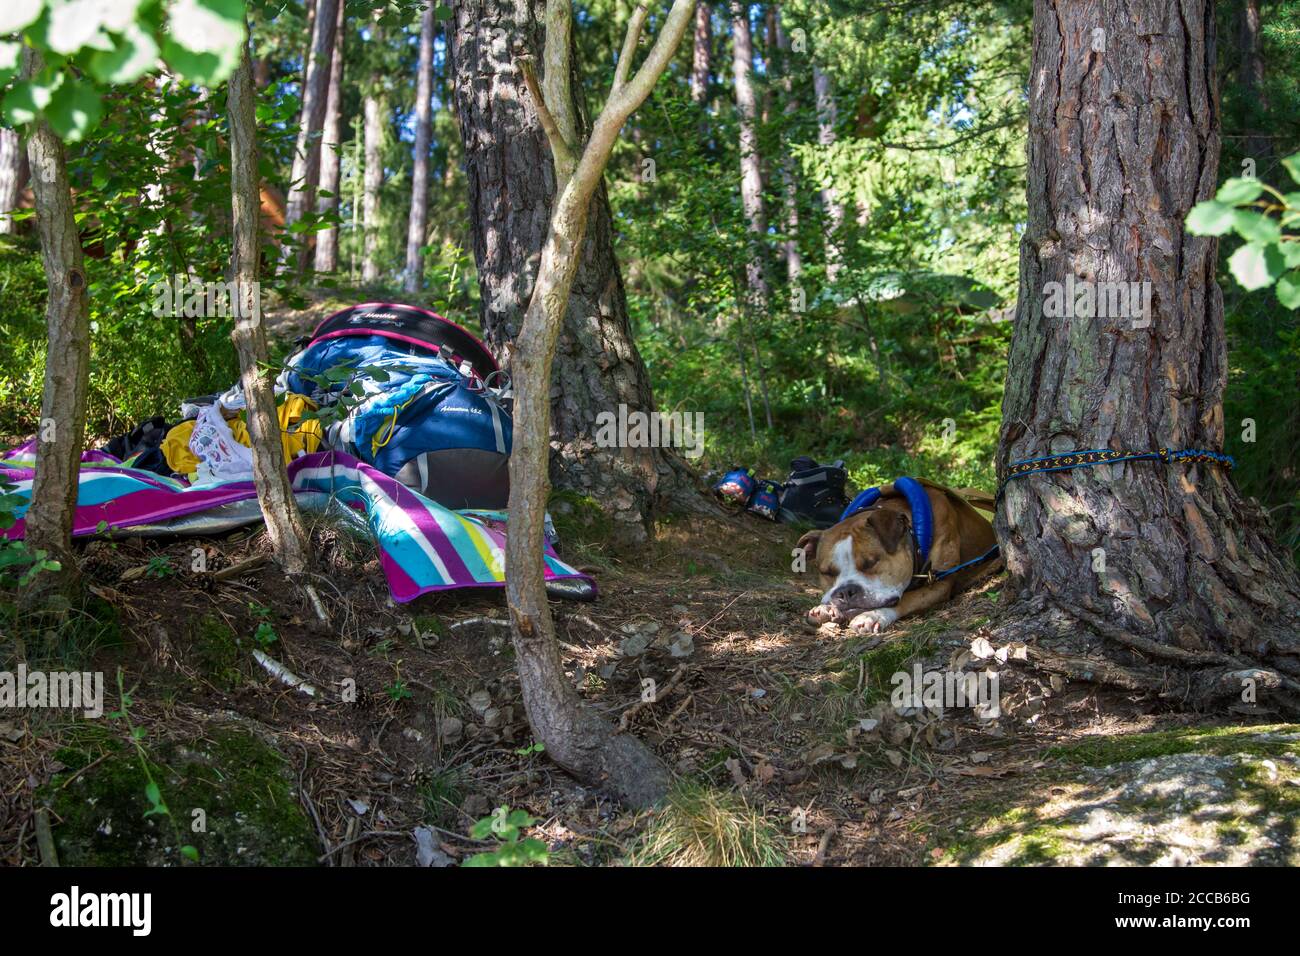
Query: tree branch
x,y
557,69
628,53
561,150
624,100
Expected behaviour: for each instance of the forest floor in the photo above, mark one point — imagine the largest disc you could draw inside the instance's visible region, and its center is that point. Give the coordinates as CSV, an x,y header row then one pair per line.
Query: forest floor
x,y
782,736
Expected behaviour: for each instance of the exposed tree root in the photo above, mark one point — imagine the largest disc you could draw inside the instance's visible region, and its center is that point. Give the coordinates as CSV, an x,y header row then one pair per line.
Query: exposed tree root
x,y
1083,646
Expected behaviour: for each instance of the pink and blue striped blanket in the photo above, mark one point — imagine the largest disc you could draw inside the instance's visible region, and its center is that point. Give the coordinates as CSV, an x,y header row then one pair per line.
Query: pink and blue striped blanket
x,y
423,547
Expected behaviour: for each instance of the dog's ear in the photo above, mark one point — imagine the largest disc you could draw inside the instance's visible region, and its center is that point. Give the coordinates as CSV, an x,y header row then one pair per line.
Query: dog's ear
x,y
808,544
890,525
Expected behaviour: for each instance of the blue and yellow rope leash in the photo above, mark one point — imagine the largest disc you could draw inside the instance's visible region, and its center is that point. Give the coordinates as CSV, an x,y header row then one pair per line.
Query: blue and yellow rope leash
x,y
1084,459
1102,456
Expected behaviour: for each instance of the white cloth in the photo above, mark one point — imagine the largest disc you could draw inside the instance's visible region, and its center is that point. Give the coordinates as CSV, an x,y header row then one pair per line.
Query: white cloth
x,y
219,455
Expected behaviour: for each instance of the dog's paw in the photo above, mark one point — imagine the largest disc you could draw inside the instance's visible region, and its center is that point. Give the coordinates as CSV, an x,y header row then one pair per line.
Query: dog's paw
x,y
821,614
873,622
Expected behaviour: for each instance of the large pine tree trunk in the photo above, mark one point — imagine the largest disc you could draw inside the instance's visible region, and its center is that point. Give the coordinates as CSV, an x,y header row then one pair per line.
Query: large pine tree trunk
x,y
1177,573
67,355
419,219
373,108
511,189
315,92
284,525
327,200
11,169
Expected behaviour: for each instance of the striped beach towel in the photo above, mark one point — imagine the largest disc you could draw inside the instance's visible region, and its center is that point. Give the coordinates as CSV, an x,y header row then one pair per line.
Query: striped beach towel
x,y
423,546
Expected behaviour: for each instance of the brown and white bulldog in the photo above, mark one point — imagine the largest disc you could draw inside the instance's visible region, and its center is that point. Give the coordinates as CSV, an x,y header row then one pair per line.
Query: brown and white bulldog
x,y
868,561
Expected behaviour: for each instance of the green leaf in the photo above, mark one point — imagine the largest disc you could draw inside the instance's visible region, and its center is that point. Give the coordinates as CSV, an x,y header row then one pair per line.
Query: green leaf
x,y
1255,227
1292,165
442,13
74,110
74,24
202,68
1290,254
205,38
134,54
10,55
1255,265
190,852
1236,191
16,14
1210,218
25,101
1288,289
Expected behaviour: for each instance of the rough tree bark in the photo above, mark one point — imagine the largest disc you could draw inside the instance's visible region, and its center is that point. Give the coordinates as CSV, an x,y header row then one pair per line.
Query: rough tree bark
x,y
419,220
511,191
701,53
67,355
284,525
1176,575
575,737
373,108
832,207
331,153
307,148
11,169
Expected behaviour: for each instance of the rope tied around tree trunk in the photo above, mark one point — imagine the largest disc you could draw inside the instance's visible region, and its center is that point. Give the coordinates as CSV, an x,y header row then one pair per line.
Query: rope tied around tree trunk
x,y
1103,456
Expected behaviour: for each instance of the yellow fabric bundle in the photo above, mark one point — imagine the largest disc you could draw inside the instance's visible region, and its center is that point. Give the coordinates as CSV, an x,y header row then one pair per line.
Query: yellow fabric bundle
x,y
298,437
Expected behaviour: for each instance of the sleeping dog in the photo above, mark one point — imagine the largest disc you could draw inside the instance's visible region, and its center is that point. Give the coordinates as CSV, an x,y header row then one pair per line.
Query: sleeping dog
x,y
875,566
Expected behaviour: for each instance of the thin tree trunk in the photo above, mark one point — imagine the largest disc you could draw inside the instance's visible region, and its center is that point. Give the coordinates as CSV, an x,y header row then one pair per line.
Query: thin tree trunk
x,y
11,169
832,207
575,737
284,525
419,221
306,150
702,53
751,172
1250,79
67,355
374,178
1178,574
331,156
511,191
789,184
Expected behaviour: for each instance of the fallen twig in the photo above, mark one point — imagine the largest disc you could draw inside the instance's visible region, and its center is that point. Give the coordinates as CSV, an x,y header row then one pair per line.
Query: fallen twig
x,y
283,674
496,621
660,693
235,570
45,838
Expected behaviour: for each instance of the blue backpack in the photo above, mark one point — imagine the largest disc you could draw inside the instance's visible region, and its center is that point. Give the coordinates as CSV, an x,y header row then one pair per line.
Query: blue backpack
x,y
427,413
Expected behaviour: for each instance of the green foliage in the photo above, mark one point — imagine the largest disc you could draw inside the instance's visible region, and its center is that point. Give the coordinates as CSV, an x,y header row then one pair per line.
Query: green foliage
x,y
507,827
89,47
159,566
19,565
264,635
153,793
1261,215
398,691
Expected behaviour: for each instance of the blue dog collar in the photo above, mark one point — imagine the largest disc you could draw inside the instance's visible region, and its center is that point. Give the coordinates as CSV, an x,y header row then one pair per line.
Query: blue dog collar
x,y
922,515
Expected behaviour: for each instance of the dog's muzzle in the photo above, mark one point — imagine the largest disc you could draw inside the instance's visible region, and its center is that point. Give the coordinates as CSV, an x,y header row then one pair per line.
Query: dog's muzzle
x,y
849,598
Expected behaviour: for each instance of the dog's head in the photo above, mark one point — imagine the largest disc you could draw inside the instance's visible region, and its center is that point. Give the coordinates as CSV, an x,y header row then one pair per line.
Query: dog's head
x,y
865,561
